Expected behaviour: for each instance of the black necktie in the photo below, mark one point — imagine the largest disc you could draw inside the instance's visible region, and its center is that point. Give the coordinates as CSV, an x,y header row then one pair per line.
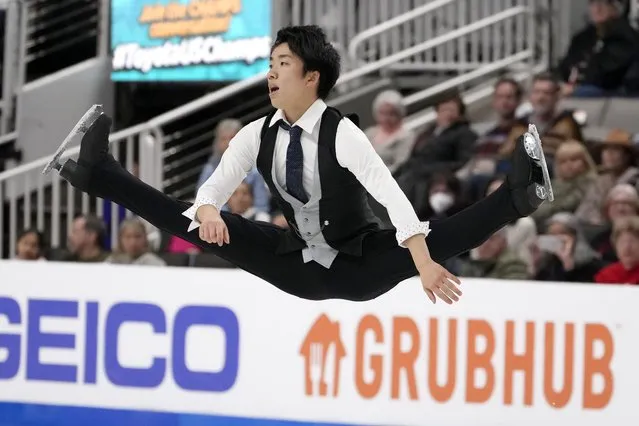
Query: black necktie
x,y
295,163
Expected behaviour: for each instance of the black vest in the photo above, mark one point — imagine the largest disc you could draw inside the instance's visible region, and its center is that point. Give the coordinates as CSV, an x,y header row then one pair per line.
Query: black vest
x,y
345,215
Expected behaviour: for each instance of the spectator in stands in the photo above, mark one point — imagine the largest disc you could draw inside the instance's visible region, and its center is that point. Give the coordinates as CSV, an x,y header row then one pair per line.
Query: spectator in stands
x,y
178,245
520,234
30,245
554,126
618,165
575,173
391,140
86,240
600,55
625,238
493,134
241,201
445,146
622,201
493,259
563,253
443,198
133,246
224,132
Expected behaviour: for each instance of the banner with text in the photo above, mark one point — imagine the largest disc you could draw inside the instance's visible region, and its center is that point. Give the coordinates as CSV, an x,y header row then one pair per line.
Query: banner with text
x,y
189,40
127,345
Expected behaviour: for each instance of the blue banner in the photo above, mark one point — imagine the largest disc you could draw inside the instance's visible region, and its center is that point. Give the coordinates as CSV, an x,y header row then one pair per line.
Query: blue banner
x,y
189,40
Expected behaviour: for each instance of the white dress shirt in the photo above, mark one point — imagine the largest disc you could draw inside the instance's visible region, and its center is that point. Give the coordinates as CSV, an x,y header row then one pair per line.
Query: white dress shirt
x,y
353,150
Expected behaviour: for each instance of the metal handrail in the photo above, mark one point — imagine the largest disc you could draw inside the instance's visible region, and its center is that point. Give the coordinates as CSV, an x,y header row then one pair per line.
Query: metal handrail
x,y
8,138
40,163
464,78
391,23
435,42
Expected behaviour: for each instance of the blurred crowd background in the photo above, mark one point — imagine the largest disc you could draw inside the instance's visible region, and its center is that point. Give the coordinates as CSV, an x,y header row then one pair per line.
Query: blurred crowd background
x,y
446,151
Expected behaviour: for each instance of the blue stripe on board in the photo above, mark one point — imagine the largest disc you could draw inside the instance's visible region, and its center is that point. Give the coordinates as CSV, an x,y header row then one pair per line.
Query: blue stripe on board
x,y
13,414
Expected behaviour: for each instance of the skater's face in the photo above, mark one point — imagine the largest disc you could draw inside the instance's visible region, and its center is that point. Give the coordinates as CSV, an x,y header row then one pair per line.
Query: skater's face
x,y
290,87
28,247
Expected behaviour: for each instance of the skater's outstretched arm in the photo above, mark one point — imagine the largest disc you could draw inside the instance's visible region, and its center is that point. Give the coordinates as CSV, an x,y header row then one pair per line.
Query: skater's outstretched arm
x,y
355,152
236,162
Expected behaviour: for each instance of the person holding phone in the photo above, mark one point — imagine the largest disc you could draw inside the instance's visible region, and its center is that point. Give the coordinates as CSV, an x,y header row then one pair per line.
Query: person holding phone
x,y
563,253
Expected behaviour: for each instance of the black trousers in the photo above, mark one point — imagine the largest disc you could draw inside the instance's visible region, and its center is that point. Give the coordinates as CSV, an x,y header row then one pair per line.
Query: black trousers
x,y
253,244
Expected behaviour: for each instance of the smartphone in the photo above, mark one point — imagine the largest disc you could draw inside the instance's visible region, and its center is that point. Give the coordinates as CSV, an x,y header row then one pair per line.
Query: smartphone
x,y
550,243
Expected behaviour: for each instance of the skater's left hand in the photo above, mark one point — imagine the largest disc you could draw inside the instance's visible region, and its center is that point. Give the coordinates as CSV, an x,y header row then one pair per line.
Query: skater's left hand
x,y
437,281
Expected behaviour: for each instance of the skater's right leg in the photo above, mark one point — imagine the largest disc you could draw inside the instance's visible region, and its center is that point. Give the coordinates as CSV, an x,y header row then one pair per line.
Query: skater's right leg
x,y
252,245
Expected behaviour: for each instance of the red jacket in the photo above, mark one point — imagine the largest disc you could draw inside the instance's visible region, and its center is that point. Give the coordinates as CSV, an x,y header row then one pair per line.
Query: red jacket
x,y
617,274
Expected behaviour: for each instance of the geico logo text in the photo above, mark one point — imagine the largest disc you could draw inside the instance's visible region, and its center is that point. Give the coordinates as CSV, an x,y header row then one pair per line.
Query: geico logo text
x,y
26,322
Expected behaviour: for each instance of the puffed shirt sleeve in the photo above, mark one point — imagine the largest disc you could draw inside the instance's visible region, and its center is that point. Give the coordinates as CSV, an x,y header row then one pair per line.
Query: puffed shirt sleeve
x,y
237,162
355,152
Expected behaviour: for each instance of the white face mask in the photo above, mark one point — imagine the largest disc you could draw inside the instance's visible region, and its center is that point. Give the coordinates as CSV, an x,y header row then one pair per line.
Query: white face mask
x,y
441,201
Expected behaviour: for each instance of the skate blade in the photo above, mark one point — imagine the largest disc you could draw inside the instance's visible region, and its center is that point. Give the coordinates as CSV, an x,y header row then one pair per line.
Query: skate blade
x,y
81,127
532,143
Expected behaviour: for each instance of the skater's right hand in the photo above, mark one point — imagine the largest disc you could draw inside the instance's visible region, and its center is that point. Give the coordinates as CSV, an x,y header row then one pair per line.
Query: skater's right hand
x,y
213,230
438,282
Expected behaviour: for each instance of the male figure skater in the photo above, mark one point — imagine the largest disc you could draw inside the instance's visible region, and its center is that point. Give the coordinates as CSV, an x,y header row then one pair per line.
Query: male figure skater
x,y
319,166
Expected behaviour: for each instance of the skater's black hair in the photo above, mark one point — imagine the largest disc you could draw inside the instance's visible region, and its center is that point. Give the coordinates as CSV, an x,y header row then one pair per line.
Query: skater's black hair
x,y
316,52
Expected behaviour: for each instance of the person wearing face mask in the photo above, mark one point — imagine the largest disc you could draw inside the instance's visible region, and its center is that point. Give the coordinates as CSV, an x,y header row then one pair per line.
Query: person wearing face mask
x,y
575,173
444,192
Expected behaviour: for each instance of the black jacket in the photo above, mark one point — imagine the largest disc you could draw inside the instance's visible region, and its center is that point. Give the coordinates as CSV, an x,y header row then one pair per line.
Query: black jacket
x,y
602,57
